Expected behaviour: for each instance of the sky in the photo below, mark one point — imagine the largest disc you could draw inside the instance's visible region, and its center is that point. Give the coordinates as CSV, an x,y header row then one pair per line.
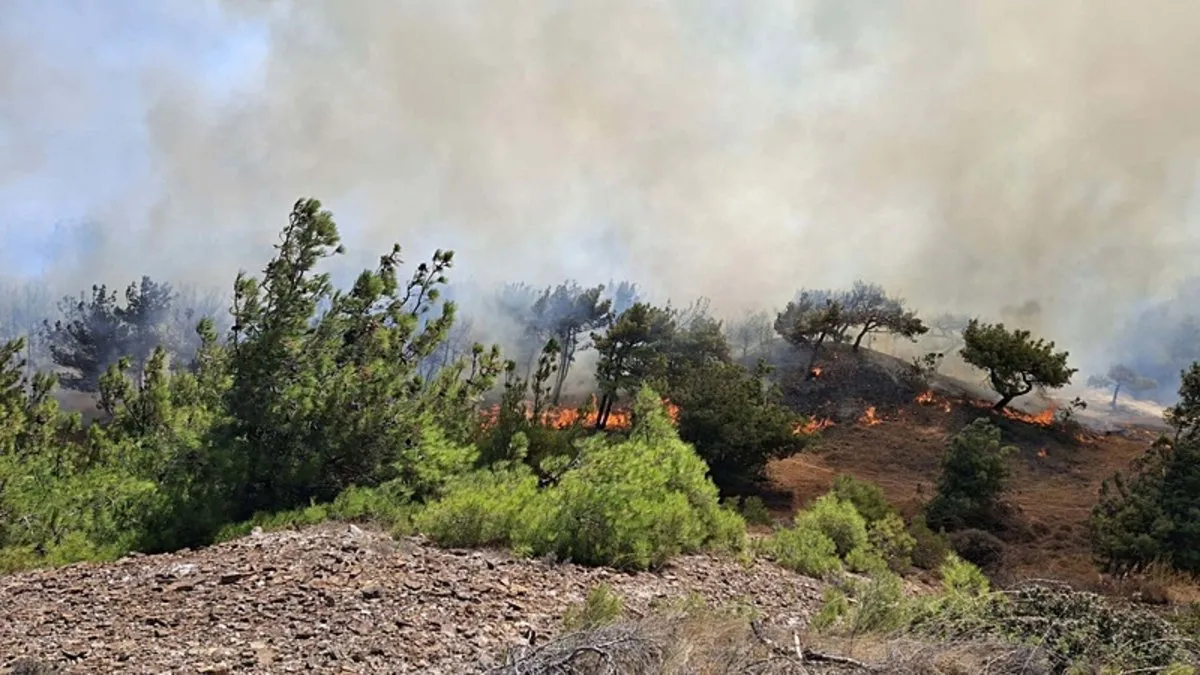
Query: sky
x,y
72,124
969,155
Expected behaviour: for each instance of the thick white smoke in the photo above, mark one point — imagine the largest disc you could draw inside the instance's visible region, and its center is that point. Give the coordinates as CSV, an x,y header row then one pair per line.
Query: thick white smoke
x,y
969,154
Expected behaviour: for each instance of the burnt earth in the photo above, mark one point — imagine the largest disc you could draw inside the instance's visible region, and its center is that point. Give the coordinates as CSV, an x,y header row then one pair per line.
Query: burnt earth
x,y
337,598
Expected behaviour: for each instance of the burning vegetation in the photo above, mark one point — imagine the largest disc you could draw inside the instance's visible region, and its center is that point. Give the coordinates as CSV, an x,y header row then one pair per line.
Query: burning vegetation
x,y
585,416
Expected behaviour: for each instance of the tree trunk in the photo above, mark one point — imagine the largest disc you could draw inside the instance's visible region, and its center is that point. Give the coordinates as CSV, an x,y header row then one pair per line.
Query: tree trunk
x,y
566,354
867,328
1116,391
606,403
1005,399
812,360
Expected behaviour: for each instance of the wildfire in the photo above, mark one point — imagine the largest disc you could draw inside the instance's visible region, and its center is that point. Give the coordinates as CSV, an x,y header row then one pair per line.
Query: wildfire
x,y
1042,453
1043,419
815,371
563,417
869,417
929,398
813,426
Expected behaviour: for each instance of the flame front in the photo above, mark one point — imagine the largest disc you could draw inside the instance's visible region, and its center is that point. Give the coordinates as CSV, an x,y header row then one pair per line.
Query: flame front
x,y
563,417
814,425
930,398
869,417
1043,419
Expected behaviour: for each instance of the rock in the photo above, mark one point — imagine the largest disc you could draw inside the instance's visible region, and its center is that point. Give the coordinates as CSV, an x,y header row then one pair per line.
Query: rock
x,y
321,609
232,577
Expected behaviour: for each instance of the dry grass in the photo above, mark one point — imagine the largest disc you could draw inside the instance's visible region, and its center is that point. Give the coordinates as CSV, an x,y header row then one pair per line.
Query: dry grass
x,y
709,642
1055,481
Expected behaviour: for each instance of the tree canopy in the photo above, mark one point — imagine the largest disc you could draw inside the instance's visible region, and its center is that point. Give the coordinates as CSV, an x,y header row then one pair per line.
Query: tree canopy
x,y
1121,377
1015,361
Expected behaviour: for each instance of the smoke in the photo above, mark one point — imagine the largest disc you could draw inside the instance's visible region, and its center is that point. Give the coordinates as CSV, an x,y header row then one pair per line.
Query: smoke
x,y
970,155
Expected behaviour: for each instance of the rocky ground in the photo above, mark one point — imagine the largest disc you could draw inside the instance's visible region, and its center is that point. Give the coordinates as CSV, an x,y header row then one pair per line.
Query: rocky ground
x,y
337,598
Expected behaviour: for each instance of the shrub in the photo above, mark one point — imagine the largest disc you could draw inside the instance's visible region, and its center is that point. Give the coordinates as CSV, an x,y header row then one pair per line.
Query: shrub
x,y
974,476
486,508
866,560
930,548
838,520
601,607
635,503
805,549
978,547
881,606
867,497
1148,516
755,512
891,540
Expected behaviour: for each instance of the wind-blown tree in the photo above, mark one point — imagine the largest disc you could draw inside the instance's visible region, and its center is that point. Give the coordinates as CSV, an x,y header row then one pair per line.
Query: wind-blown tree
x,y
1015,362
809,322
631,353
1121,377
324,402
869,309
569,313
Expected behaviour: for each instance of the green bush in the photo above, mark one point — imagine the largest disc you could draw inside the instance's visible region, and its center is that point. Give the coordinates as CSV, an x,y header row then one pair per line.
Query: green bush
x,y
867,497
486,508
838,520
637,502
973,479
601,607
1149,515
630,503
980,548
805,549
892,542
930,548
755,512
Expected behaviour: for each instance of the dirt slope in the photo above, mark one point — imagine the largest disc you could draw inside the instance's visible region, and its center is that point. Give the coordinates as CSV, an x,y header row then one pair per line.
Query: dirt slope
x,y
336,598
1055,481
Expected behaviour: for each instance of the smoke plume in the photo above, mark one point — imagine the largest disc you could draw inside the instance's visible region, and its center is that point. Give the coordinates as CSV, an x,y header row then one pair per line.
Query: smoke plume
x,y
970,155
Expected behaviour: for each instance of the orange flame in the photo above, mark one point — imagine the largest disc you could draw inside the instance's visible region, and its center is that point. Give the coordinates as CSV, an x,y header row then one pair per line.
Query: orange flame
x,y
1042,453
869,417
564,417
930,398
1043,419
816,371
812,426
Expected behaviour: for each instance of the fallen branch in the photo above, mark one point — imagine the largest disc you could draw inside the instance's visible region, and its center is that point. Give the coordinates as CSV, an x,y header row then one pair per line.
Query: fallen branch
x,y
803,654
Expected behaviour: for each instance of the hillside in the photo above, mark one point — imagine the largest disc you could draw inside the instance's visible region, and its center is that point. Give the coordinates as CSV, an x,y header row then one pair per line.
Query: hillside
x,y
877,426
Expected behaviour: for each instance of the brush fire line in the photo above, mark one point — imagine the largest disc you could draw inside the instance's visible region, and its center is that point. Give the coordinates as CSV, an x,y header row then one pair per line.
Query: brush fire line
x,y
564,417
